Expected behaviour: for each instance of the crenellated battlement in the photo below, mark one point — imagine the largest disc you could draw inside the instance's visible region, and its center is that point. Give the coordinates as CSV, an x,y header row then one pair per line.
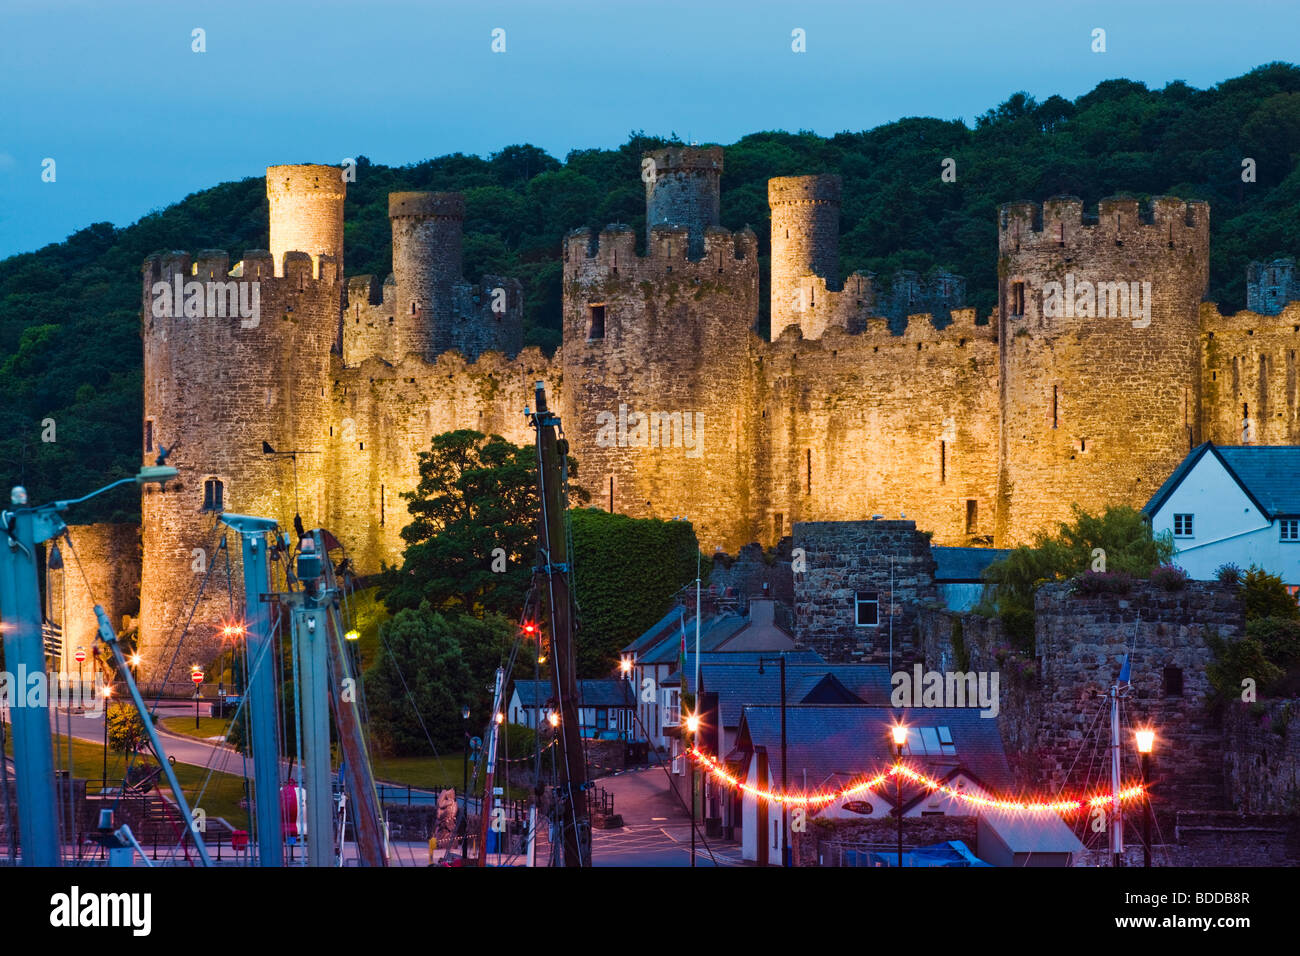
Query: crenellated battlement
x,y
426,205
874,333
804,189
613,250
213,265
1061,222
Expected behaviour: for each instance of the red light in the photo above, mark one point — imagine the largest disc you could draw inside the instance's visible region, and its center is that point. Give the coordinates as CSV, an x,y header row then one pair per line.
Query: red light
x,y
530,628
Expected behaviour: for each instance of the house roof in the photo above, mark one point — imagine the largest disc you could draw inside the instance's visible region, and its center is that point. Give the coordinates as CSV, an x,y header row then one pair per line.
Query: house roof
x,y
599,692
714,632
838,743
1266,473
740,684
797,655
964,565
1040,833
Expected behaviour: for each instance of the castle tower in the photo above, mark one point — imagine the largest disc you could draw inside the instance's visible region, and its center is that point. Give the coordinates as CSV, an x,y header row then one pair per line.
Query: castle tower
x,y
306,212
805,242
233,357
427,264
1098,331
684,191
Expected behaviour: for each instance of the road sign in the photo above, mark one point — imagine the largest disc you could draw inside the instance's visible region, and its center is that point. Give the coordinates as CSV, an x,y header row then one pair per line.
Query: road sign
x,y
80,655
196,675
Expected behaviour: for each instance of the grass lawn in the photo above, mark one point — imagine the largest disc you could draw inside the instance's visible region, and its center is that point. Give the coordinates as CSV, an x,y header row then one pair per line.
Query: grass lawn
x,y
220,798
208,726
430,772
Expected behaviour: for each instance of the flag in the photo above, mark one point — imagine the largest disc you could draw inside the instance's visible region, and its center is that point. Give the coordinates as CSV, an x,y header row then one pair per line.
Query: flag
x,y
1124,671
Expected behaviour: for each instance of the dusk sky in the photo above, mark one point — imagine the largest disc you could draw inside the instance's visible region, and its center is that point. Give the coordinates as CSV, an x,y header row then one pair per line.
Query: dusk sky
x,y
135,120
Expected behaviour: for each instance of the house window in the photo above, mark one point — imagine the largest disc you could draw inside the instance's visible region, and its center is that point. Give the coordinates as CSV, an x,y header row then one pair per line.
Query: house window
x,y
602,718
1289,529
213,495
972,515
868,608
1017,298
1182,526
946,745
1173,681
596,326
672,708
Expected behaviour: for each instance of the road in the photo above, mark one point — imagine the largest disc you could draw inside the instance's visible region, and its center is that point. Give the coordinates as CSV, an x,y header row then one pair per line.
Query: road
x,y
657,828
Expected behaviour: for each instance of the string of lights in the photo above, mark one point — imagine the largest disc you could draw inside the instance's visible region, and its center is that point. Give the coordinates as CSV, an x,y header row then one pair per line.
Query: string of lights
x,y
864,784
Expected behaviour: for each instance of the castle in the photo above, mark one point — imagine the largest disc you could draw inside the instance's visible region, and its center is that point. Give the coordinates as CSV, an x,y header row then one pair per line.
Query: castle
x,y
1100,368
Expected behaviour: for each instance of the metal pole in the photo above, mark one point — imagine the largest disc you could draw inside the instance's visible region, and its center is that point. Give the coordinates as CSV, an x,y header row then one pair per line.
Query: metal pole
x,y
20,607
1116,818
262,712
103,784
107,635
1146,816
898,799
785,770
691,764
309,621
464,827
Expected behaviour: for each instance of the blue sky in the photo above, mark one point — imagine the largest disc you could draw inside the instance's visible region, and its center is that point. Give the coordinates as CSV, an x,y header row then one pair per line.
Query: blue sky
x,y
135,120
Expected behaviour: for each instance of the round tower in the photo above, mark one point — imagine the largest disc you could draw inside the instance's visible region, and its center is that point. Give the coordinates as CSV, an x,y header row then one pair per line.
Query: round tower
x,y
306,206
805,241
427,265
681,189
1098,332
233,358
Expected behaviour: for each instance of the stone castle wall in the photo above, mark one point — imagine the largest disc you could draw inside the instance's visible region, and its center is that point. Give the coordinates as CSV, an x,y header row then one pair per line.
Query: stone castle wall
x,y
1095,408
104,570
1250,390
382,416
1080,644
891,559
215,390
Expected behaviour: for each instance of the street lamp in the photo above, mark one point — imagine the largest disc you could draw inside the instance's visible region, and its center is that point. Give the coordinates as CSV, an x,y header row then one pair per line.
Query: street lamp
x,y
692,727
464,832
1146,740
108,693
900,738
785,833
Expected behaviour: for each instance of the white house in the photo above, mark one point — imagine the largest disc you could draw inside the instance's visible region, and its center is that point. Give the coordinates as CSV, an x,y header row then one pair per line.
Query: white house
x,y
1233,505
604,705
832,746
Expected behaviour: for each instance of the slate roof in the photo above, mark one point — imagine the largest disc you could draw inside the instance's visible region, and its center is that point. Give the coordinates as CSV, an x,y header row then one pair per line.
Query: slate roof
x,y
964,565
1040,833
798,655
714,632
599,692
739,685
838,743
1266,473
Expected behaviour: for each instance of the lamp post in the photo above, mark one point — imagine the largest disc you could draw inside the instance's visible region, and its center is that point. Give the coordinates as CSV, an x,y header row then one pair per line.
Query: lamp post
x,y
108,694
1145,742
900,738
785,833
692,727
464,790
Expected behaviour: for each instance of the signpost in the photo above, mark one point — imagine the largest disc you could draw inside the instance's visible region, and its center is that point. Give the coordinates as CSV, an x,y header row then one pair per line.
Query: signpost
x,y
196,675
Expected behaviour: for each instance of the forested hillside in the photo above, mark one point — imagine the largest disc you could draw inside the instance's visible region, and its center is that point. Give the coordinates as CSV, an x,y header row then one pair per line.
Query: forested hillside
x,y
69,313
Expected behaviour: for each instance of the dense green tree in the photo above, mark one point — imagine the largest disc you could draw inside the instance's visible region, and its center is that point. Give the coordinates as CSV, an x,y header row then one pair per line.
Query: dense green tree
x,y
418,684
1119,541
626,572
